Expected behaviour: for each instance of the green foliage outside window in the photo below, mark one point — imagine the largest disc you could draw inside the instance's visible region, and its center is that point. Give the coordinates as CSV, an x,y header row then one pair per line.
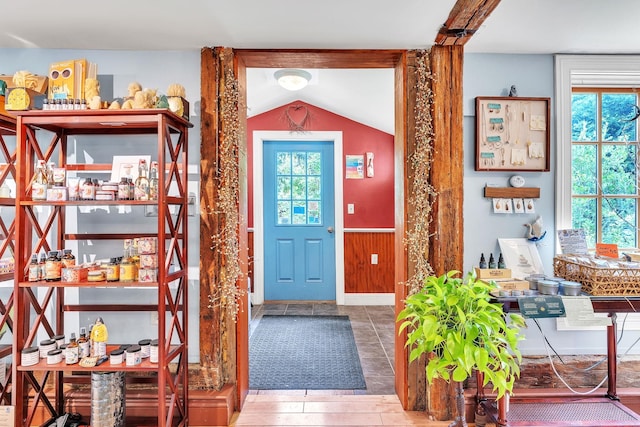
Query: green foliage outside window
x,y
604,166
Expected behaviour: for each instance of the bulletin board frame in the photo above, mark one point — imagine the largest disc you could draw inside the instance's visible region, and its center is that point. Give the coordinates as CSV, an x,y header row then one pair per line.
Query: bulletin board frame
x,y
513,134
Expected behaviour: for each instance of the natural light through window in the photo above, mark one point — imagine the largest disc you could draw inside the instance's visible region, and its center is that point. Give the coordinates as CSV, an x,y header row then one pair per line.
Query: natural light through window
x,y
604,165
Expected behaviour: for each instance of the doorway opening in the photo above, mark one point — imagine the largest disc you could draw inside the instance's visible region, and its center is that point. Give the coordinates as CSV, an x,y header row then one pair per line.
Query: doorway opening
x,y
344,59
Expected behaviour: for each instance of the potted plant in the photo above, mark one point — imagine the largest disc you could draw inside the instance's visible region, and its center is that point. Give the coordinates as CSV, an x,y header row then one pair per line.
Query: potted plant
x,y
454,321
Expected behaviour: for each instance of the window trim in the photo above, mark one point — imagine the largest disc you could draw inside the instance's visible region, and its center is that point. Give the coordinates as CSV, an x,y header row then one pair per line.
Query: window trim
x,y
582,70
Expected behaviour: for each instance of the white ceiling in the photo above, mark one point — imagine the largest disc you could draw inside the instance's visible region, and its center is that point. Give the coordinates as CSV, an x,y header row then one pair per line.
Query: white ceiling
x,y
515,26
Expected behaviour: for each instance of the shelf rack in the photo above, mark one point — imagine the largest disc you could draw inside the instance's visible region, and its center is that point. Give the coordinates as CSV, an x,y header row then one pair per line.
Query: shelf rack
x,y
7,230
43,135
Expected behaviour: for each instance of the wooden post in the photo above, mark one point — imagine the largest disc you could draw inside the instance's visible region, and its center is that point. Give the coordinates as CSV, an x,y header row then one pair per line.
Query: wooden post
x,y
215,335
446,248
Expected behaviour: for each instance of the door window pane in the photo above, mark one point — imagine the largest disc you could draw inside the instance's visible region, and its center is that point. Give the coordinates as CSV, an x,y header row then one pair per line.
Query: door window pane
x,y
299,188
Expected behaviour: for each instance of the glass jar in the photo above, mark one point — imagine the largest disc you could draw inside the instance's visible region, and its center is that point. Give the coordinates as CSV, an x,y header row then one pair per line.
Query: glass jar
x,y
53,267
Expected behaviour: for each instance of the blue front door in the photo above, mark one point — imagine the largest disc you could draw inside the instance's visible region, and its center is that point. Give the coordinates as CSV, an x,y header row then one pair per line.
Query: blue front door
x,y
299,242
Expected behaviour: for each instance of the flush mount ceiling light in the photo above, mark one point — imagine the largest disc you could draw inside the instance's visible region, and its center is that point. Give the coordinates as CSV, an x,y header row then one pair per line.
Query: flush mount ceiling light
x,y
292,78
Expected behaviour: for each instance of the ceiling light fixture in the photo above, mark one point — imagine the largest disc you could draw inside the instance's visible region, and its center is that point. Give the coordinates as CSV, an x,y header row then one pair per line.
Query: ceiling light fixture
x,y
292,78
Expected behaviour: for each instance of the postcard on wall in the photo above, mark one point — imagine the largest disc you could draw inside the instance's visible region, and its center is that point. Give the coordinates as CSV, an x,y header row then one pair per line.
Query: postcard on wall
x,y
354,166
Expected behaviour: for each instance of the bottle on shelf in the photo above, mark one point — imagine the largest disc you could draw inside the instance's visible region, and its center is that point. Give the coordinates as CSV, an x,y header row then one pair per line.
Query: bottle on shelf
x,y
128,271
42,263
72,352
87,190
68,259
50,167
142,182
83,344
483,261
53,267
123,189
501,263
153,181
34,269
40,182
492,261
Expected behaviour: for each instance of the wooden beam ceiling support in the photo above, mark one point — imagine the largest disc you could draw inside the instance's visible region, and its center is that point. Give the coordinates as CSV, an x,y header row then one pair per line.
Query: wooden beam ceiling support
x,y
464,20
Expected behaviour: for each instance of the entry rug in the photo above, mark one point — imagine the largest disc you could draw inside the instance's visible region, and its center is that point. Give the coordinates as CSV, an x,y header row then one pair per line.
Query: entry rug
x,y
304,352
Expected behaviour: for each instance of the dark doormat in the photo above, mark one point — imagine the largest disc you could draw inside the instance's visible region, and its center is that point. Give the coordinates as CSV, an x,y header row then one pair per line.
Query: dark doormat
x,y
304,352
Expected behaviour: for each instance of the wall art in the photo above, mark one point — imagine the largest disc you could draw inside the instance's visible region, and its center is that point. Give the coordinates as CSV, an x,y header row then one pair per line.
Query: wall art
x,y
512,134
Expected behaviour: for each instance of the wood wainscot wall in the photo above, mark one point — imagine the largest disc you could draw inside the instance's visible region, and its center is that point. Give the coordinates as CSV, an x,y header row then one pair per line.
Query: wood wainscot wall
x,y
360,275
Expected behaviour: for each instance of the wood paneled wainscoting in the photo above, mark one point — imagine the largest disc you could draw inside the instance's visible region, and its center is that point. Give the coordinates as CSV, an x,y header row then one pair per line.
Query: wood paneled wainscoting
x,y
361,276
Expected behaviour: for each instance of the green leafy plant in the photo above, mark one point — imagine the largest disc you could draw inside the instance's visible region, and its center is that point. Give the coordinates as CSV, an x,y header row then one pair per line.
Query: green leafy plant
x,y
455,320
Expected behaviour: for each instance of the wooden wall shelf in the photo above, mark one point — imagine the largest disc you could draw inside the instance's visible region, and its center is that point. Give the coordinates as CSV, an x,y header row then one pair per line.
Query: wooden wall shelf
x,y
512,192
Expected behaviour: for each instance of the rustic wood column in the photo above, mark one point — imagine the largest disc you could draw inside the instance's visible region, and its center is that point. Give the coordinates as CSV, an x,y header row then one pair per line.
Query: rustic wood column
x,y
217,330
446,249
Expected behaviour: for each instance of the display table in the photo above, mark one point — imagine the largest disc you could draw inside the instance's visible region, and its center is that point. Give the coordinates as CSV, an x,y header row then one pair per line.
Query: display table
x,y
601,304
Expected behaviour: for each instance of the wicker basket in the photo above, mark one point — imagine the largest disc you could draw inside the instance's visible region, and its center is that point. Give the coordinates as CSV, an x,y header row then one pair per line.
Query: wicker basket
x,y
597,280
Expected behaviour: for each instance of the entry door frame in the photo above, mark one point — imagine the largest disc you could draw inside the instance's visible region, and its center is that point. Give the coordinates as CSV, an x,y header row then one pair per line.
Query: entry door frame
x,y
259,138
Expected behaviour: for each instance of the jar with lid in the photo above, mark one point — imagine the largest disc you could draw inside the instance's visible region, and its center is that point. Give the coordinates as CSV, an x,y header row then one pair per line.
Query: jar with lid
x,y
113,270
84,344
53,267
123,189
68,259
34,269
72,352
128,271
87,190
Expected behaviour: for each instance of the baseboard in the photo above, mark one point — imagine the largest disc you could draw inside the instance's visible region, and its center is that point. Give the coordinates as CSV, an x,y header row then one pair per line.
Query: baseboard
x,y
206,407
369,299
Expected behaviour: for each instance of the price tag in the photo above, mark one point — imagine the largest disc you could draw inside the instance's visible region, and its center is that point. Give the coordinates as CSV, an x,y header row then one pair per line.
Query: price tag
x,y
609,250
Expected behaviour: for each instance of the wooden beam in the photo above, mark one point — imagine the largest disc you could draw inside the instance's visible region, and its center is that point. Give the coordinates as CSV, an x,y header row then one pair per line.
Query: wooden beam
x,y
464,20
446,244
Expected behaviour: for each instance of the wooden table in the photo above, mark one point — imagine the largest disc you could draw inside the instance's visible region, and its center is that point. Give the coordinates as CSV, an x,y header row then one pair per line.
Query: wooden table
x,y
612,305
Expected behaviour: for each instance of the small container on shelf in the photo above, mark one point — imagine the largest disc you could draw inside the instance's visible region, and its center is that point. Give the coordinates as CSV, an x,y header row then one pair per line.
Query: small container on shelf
x,y
46,346
116,357
54,356
133,355
30,356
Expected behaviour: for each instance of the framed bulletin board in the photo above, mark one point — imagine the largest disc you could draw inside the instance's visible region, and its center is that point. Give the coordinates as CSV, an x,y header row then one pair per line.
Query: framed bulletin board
x,y
512,134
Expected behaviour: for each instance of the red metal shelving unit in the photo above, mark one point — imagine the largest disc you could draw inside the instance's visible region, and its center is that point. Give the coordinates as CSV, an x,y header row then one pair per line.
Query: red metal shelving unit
x,y
42,226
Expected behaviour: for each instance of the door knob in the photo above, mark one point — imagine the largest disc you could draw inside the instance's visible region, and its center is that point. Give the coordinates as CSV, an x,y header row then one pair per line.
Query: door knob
x,y
330,229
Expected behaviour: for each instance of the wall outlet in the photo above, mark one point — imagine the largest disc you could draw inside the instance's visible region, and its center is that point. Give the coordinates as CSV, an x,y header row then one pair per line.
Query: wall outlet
x,y
350,208
154,318
374,258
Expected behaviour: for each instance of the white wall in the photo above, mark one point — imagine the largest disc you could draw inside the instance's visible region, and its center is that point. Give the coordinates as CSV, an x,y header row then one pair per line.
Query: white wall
x,y
152,69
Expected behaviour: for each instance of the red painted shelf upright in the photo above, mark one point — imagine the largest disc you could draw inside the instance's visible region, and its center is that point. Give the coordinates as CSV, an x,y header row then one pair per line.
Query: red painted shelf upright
x,y
7,237
42,226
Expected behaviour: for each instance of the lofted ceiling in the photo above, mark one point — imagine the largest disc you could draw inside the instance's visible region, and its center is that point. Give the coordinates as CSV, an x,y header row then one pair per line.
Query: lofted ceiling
x,y
515,26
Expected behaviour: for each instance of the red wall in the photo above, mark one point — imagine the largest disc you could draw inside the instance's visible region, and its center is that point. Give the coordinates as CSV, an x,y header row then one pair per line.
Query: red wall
x,y
372,197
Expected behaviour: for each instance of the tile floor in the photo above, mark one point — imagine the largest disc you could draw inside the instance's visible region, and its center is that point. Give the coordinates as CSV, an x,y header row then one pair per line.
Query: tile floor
x,y
373,330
